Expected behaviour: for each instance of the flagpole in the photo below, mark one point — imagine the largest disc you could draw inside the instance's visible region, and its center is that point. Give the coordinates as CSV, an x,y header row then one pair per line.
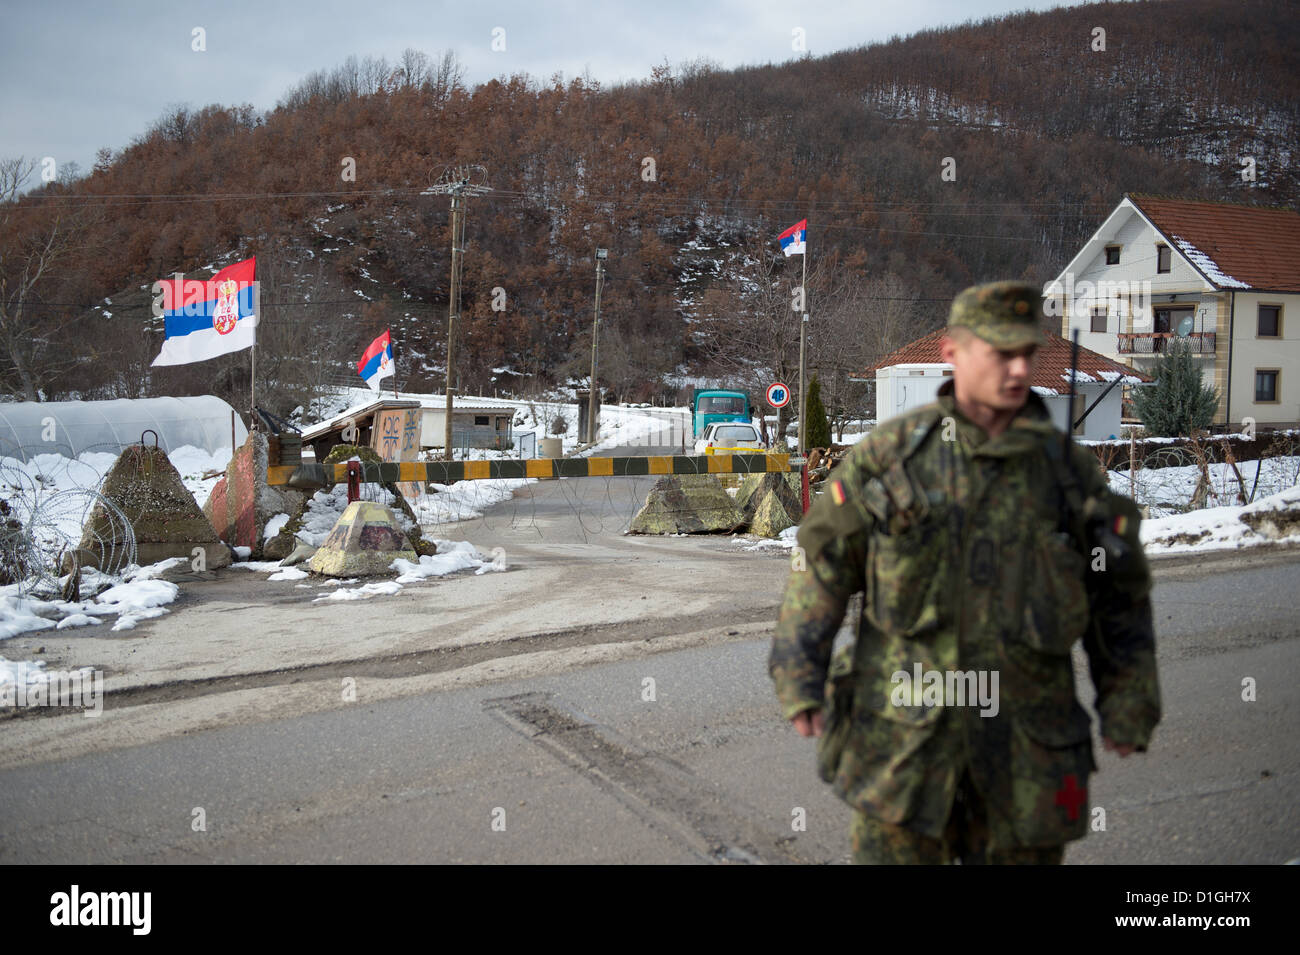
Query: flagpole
x,y
252,378
803,327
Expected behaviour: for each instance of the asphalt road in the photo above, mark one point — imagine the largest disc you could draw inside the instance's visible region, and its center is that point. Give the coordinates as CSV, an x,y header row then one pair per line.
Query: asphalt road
x,y
585,764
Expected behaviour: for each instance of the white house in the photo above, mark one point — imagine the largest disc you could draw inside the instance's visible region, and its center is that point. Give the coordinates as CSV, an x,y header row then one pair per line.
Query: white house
x,y
912,375
1223,277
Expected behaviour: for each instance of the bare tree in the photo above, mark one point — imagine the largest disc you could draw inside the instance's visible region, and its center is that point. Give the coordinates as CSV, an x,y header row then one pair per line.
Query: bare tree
x,y
748,330
413,69
447,77
35,245
858,321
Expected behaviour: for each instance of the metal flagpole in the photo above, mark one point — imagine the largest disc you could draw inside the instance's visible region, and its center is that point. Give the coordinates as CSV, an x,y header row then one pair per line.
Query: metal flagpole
x,y
803,328
252,378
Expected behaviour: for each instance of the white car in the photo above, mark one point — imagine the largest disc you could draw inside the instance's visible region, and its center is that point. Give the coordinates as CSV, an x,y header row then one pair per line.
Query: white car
x,y
726,437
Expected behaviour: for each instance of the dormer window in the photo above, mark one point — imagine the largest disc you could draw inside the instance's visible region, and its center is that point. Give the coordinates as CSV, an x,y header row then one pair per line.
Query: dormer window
x,y
1162,258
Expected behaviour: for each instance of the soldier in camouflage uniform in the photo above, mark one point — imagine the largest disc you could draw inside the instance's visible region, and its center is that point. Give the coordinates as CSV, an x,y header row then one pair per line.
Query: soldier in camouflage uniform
x,y
968,533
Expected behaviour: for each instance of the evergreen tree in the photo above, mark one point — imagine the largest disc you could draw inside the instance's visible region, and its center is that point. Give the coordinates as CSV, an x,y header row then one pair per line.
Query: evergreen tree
x,y
1179,402
818,433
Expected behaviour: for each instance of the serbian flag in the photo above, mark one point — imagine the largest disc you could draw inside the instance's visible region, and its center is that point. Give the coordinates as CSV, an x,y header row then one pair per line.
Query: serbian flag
x,y
205,319
794,240
377,361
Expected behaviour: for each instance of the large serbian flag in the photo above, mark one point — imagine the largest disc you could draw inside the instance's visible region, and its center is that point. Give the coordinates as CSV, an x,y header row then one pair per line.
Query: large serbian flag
x,y
794,240
205,319
377,361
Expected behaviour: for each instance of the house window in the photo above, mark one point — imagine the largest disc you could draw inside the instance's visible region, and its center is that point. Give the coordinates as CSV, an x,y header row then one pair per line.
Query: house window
x,y
1270,321
1168,321
1266,386
480,419
1112,255
1098,320
1162,258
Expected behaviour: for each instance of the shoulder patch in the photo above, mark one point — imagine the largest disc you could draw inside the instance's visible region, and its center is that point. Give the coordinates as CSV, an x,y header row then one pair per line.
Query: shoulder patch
x,y
837,492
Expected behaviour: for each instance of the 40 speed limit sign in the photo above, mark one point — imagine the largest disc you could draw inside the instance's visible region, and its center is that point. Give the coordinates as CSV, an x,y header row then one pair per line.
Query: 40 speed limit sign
x,y
778,394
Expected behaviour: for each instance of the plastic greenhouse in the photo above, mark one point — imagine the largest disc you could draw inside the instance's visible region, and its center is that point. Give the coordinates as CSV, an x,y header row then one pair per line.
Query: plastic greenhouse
x,y
71,428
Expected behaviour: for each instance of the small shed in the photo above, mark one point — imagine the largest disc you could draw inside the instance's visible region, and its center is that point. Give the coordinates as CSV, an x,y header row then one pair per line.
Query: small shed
x,y
900,388
911,377
472,426
374,427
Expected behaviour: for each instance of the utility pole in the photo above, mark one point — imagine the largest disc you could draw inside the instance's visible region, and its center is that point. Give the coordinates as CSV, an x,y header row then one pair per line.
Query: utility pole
x,y
601,255
456,183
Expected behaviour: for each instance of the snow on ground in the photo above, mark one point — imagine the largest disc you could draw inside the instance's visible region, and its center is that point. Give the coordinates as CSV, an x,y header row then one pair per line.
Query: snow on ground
x,y
1217,527
288,573
136,595
27,672
786,541
388,587
1167,491
46,474
327,506
464,500
193,463
1225,528
275,525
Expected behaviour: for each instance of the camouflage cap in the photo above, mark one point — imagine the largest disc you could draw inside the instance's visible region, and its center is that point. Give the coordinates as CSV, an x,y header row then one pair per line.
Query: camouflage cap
x,y
1004,314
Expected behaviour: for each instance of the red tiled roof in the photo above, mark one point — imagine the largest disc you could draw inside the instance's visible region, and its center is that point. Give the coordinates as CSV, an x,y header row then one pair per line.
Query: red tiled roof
x,y
1051,366
923,351
1252,244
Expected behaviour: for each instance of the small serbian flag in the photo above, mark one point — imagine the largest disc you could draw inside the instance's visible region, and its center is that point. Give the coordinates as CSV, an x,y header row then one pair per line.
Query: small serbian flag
x,y
794,240
377,361
205,319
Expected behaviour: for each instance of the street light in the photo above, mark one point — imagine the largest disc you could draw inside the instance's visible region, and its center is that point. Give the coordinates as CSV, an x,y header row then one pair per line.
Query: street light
x,y
601,256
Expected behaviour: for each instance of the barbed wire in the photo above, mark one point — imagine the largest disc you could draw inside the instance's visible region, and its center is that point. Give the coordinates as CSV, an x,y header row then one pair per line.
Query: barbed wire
x,y
53,519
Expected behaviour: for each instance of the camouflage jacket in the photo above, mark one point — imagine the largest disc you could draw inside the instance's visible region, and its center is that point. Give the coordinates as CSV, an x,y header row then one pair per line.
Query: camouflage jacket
x,y
957,542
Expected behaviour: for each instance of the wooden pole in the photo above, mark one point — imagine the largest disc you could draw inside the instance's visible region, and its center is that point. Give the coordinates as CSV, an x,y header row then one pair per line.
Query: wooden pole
x,y
595,337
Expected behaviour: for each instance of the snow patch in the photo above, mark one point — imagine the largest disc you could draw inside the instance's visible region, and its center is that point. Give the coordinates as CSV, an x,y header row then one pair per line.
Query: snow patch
x,y
275,525
1206,264
386,587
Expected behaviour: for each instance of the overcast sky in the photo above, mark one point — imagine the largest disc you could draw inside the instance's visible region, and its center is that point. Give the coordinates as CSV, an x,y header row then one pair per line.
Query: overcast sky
x,y
75,76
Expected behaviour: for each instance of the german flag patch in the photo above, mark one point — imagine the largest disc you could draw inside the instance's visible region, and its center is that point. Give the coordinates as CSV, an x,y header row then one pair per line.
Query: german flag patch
x,y
1120,524
837,492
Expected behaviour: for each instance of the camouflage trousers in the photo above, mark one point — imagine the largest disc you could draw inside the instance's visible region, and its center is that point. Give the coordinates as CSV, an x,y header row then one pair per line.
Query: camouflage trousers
x,y
965,840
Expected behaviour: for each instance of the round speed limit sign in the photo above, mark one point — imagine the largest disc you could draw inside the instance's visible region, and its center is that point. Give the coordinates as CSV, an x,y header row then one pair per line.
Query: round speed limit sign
x,y
778,394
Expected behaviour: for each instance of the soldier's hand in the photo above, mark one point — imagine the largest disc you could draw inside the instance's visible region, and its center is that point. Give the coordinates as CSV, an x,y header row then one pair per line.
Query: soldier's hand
x,y
809,722
1123,749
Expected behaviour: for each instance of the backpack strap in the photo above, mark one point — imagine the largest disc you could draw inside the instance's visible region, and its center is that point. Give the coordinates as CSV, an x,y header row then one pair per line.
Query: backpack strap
x,y
893,491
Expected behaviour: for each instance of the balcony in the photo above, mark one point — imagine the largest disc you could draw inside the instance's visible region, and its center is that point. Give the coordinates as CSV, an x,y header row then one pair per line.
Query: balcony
x,y
1153,343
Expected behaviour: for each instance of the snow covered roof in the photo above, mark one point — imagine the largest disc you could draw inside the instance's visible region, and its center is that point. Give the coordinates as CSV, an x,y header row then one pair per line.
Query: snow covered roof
x,y
428,402
1233,246
71,428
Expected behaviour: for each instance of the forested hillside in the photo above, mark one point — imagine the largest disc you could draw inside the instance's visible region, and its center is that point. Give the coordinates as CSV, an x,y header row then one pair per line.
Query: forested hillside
x,y
686,178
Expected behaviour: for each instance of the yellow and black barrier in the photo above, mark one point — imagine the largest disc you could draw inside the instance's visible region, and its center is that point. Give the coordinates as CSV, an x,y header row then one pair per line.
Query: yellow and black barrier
x,y
447,472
